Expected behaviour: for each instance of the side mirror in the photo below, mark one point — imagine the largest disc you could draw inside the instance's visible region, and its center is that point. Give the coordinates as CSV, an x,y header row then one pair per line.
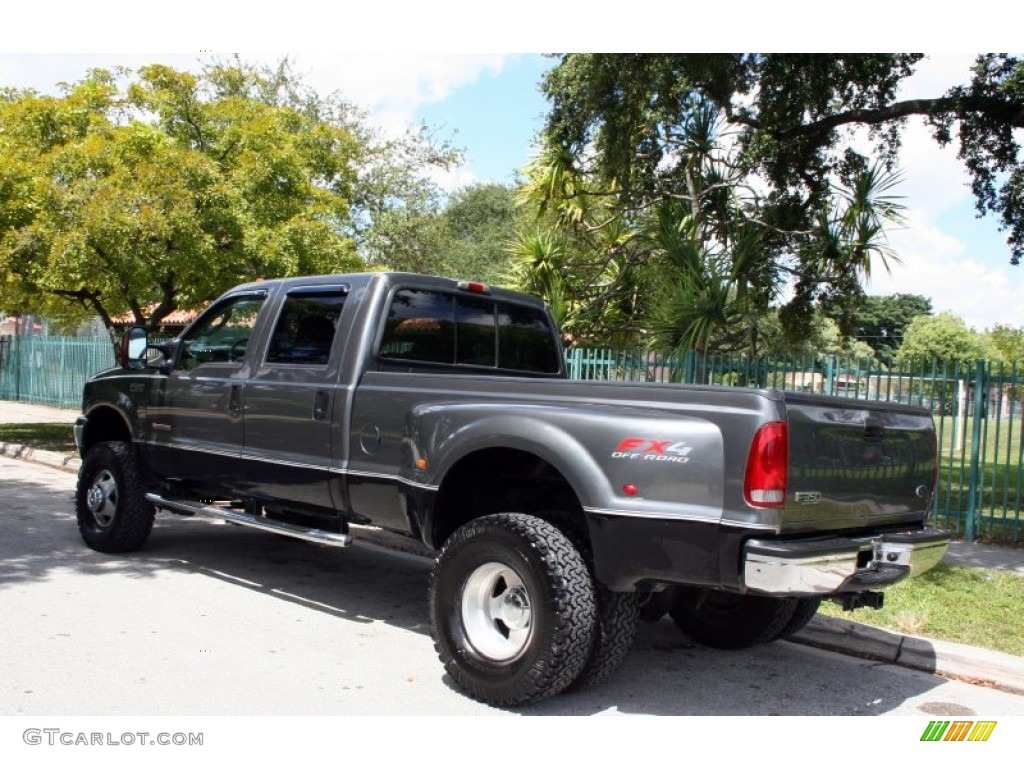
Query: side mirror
x,y
133,348
161,356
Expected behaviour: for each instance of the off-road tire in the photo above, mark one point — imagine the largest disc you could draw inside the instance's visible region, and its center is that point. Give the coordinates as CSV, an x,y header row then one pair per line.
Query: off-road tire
x,y
730,621
110,501
806,608
618,617
512,608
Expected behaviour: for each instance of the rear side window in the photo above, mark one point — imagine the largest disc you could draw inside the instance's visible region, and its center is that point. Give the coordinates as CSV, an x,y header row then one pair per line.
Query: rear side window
x,y
305,330
474,331
525,342
420,326
452,329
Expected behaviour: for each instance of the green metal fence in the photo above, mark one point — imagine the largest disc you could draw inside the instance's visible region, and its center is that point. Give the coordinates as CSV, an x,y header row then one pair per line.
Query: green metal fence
x,y
977,409
50,370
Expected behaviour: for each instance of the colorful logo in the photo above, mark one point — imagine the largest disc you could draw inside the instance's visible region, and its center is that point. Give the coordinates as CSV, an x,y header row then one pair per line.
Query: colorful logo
x,y
958,730
649,449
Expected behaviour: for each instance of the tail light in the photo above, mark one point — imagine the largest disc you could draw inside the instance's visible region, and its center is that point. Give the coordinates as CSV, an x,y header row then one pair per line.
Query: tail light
x,y
764,484
473,287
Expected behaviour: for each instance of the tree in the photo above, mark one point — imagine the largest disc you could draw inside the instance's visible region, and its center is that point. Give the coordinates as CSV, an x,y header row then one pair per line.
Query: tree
x,y
881,321
466,237
145,192
944,337
1008,342
753,147
574,252
824,339
686,250
791,113
482,222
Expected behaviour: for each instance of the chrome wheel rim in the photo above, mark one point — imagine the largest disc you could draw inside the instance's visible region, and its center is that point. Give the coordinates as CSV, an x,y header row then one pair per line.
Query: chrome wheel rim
x,y
101,498
497,612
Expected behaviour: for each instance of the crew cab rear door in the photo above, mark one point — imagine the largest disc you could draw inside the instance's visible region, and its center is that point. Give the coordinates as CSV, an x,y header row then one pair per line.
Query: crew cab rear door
x,y
290,398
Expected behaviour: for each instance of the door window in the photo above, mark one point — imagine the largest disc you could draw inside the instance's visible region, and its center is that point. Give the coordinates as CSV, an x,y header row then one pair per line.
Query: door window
x,y
222,334
305,330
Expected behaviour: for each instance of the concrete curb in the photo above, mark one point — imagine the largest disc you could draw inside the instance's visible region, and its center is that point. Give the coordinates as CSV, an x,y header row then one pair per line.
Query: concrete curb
x,y
953,660
49,458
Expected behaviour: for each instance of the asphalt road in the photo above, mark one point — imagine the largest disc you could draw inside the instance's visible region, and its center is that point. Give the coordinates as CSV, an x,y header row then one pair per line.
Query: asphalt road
x,y
213,619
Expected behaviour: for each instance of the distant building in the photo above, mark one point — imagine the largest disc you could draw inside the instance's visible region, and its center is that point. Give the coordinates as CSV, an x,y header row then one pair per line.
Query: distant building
x,y
21,326
172,325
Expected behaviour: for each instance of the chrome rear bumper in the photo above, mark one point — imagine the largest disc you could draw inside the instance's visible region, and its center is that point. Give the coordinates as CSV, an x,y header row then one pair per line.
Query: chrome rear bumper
x,y
839,564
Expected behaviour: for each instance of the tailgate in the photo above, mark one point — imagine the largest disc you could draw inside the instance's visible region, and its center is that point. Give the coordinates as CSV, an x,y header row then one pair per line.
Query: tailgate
x,y
856,463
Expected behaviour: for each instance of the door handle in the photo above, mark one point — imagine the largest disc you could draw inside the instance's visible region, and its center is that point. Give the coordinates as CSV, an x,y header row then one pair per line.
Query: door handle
x,y
235,401
321,400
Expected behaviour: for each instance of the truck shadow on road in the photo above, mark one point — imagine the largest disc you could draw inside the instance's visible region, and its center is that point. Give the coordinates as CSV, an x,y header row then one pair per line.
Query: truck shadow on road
x,y
665,674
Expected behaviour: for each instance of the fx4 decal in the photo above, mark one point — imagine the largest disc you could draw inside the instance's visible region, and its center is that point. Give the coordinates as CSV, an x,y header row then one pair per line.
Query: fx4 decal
x,y
649,449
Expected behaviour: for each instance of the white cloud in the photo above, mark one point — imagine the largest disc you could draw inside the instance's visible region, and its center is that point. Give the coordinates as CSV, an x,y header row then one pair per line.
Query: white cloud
x,y
453,179
938,265
971,278
936,73
392,86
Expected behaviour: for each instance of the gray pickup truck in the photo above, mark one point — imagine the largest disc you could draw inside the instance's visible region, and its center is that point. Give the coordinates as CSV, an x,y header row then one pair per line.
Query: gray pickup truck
x,y
561,511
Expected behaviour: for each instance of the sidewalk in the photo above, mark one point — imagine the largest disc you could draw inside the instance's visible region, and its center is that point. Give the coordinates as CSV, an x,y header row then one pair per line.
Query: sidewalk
x,y
952,660
24,413
993,556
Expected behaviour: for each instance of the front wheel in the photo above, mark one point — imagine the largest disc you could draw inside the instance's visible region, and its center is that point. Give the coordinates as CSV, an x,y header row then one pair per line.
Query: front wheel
x,y
110,502
512,609
730,621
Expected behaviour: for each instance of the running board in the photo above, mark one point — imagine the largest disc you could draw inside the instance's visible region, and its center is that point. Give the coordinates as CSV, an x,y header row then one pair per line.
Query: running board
x,y
285,529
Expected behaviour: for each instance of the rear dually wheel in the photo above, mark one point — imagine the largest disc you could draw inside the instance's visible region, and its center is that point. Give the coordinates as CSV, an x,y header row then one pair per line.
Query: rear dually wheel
x,y
512,609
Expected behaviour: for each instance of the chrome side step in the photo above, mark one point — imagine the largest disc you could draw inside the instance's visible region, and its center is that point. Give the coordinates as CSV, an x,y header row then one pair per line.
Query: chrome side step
x,y
222,513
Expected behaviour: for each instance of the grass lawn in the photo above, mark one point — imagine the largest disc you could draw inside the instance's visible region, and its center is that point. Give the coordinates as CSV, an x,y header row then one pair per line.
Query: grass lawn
x,y
47,437
963,605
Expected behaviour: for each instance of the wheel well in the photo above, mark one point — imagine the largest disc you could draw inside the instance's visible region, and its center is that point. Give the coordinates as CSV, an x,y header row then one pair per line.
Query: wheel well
x,y
104,424
506,480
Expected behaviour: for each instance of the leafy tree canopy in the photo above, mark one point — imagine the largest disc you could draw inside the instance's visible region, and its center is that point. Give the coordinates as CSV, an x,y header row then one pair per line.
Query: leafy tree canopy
x,y
791,114
1008,342
824,339
943,337
881,321
735,172
466,237
675,232
144,192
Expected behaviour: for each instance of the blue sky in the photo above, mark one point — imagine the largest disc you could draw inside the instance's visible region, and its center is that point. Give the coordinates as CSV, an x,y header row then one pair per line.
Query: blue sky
x,y
489,104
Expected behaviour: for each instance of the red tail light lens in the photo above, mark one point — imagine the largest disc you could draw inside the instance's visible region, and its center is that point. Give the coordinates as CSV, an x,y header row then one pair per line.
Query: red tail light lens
x,y
764,484
466,285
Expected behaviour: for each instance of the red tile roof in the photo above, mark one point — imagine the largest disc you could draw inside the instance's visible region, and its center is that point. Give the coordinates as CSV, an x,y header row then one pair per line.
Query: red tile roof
x,y
179,317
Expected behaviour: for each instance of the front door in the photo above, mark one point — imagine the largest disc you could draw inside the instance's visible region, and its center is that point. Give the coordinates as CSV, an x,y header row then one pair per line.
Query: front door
x,y
195,418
